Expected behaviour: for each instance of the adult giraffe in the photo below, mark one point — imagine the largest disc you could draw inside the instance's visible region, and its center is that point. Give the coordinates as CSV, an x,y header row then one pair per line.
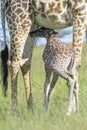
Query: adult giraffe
x,y
21,16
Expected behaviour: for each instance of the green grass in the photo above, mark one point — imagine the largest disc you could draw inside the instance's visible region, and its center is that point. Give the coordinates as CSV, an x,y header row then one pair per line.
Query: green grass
x,y
55,118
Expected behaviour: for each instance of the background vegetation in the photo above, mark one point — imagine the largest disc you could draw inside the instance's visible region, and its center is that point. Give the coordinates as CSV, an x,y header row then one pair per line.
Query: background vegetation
x,y
55,118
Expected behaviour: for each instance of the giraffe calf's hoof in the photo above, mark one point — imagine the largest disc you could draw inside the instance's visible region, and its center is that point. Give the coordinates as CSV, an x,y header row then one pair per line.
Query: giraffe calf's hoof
x,y
15,112
68,113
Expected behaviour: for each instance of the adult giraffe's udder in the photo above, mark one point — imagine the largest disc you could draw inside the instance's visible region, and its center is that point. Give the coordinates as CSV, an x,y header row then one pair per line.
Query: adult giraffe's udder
x,y
49,23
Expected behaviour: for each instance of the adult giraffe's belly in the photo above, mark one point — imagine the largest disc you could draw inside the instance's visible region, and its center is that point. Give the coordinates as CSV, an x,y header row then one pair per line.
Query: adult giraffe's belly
x,y
51,23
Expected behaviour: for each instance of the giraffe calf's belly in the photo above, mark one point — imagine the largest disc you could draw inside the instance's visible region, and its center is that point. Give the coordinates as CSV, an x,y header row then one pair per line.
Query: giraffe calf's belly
x,y
49,23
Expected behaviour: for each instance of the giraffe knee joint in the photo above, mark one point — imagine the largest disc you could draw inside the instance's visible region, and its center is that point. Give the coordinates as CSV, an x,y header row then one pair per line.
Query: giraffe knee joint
x,y
78,67
23,61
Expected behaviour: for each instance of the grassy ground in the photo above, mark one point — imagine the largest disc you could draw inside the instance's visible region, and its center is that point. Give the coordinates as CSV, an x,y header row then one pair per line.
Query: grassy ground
x,y
56,118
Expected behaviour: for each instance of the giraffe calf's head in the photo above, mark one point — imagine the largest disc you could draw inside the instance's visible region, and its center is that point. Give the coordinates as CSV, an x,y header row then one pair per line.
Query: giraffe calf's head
x,y
43,32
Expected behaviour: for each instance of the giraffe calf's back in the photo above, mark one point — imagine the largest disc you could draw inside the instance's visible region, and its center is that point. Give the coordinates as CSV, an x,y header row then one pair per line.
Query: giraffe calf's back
x,y
58,55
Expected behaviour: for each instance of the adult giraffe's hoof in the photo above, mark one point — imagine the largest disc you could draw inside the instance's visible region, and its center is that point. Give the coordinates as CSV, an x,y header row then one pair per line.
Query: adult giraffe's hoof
x,y
15,112
30,105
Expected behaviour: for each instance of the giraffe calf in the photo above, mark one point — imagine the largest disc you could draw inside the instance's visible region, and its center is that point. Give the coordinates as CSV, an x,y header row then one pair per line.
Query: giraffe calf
x,y
59,61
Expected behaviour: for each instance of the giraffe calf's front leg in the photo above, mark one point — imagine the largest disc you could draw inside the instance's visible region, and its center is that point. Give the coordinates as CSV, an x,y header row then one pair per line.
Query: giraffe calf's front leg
x,y
46,90
46,86
49,89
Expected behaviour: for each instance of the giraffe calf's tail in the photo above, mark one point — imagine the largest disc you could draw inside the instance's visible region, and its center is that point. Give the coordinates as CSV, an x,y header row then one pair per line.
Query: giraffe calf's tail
x,y
4,66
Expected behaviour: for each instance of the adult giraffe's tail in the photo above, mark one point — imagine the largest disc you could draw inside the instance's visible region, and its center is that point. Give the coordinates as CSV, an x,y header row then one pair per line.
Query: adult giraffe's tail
x,y
4,52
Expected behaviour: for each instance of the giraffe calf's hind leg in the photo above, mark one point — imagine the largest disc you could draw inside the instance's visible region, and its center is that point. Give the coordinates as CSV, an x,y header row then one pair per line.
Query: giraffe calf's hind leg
x,y
71,86
75,97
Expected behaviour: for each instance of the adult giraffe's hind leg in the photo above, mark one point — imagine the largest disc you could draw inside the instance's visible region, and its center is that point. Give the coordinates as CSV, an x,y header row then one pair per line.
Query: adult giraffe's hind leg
x,y
26,68
79,26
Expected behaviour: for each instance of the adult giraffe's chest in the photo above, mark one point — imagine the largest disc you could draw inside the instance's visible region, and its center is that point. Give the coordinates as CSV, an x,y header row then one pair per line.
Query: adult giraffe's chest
x,y
53,13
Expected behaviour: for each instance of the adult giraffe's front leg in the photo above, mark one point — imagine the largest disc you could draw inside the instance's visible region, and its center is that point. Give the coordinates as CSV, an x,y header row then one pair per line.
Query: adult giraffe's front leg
x,y
14,68
26,68
78,31
18,39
